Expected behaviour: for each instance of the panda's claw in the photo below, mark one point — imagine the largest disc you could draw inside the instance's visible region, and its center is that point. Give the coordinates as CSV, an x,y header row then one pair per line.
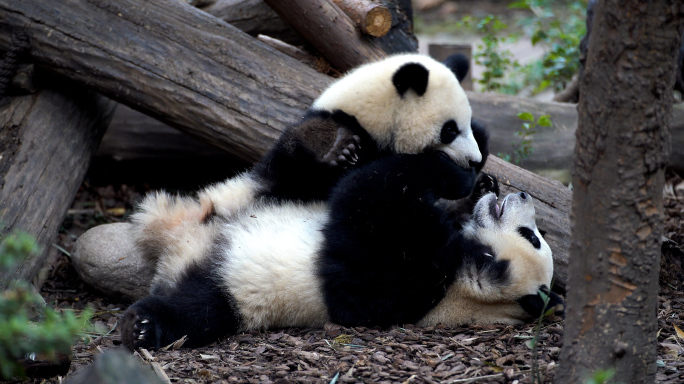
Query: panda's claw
x,y
145,321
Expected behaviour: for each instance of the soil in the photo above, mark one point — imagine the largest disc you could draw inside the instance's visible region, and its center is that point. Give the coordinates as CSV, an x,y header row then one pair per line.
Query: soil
x,y
407,354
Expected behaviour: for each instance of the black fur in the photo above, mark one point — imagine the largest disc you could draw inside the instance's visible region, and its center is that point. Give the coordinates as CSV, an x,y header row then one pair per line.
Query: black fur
x,y
534,304
482,138
459,65
293,170
390,252
197,308
529,235
411,76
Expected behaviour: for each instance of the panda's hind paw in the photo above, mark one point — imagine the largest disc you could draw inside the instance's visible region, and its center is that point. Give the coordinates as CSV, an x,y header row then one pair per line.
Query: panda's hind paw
x,y
344,152
139,330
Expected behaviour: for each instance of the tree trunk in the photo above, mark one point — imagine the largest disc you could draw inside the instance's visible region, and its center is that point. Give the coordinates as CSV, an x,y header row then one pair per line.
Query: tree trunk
x,y
46,141
621,151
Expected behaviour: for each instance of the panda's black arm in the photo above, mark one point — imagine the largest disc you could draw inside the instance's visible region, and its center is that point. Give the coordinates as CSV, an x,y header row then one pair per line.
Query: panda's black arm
x,y
534,304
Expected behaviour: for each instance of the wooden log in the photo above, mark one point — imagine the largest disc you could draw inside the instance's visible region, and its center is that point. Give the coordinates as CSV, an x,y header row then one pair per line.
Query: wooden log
x,y
46,142
371,17
552,146
552,205
253,17
133,135
329,30
222,85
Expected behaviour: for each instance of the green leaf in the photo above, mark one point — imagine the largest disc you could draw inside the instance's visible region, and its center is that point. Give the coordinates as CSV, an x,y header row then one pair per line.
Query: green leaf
x,y
521,4
538,36
526,116
544,121
543,295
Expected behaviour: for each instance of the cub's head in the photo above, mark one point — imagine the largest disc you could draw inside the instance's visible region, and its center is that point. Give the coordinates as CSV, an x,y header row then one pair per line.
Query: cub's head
x,y
510,230
410,103
506,271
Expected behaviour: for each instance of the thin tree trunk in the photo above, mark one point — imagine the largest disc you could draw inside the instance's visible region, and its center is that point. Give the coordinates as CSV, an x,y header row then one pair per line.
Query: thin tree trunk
x,y
622,148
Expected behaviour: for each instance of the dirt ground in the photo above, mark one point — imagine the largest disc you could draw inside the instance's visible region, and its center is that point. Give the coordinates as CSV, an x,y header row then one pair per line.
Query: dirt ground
x,y
407,354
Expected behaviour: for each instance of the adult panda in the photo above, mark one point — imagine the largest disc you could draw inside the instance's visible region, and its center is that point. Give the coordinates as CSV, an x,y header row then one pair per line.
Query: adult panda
x,y
404,104
381,253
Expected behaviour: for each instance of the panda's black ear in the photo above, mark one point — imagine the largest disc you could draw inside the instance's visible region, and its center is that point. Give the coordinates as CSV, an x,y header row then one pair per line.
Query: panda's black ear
x,y
411,76
459,65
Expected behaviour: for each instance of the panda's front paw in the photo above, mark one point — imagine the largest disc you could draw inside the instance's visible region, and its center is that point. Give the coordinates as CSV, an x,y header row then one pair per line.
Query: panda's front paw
x,y
485,184
344,152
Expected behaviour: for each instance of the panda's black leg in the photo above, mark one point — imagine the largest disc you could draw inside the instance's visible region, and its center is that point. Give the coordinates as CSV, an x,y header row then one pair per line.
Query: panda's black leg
x,y
197,308
152,322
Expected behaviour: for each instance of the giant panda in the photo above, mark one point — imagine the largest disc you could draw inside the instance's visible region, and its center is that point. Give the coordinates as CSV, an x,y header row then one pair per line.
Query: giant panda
x,y
379,252
404,104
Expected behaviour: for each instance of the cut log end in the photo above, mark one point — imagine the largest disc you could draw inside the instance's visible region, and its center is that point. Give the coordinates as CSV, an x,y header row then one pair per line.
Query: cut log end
x,y
378,22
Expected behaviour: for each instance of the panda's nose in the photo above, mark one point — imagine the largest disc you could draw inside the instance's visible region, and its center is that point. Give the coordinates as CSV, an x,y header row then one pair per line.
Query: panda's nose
x,y
523,195
473,164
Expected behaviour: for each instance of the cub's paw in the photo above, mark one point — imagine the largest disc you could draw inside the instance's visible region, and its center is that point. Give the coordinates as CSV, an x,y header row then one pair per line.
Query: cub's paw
x,y
137,329
485,184
344,152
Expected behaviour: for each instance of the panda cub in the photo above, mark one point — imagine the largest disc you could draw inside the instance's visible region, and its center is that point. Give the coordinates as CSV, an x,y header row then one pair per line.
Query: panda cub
x,y
404,104
381,252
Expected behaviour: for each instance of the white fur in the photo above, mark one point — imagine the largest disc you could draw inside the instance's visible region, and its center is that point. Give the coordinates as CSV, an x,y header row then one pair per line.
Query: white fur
x,y
168,231
269,265
411,123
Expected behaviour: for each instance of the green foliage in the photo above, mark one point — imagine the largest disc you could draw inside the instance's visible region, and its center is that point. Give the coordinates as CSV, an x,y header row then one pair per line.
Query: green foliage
x,y
523,149
498,62
601,376
20,334
560,34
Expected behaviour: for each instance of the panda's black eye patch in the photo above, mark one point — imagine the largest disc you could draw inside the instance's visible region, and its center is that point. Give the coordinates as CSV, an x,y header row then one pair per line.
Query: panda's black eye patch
x,y
529,235
449,132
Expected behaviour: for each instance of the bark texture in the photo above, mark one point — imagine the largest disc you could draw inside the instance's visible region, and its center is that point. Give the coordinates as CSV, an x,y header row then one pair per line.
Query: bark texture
x,y
621,151
336,37
172,61
371,17
253,17
46,141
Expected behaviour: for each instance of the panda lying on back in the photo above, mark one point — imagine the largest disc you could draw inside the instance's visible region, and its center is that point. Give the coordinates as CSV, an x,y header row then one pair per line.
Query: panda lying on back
x,y
381,253
404,104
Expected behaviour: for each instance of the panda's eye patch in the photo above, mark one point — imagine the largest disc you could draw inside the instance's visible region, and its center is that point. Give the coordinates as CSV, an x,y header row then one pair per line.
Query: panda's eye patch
x,y
529,235
449,132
